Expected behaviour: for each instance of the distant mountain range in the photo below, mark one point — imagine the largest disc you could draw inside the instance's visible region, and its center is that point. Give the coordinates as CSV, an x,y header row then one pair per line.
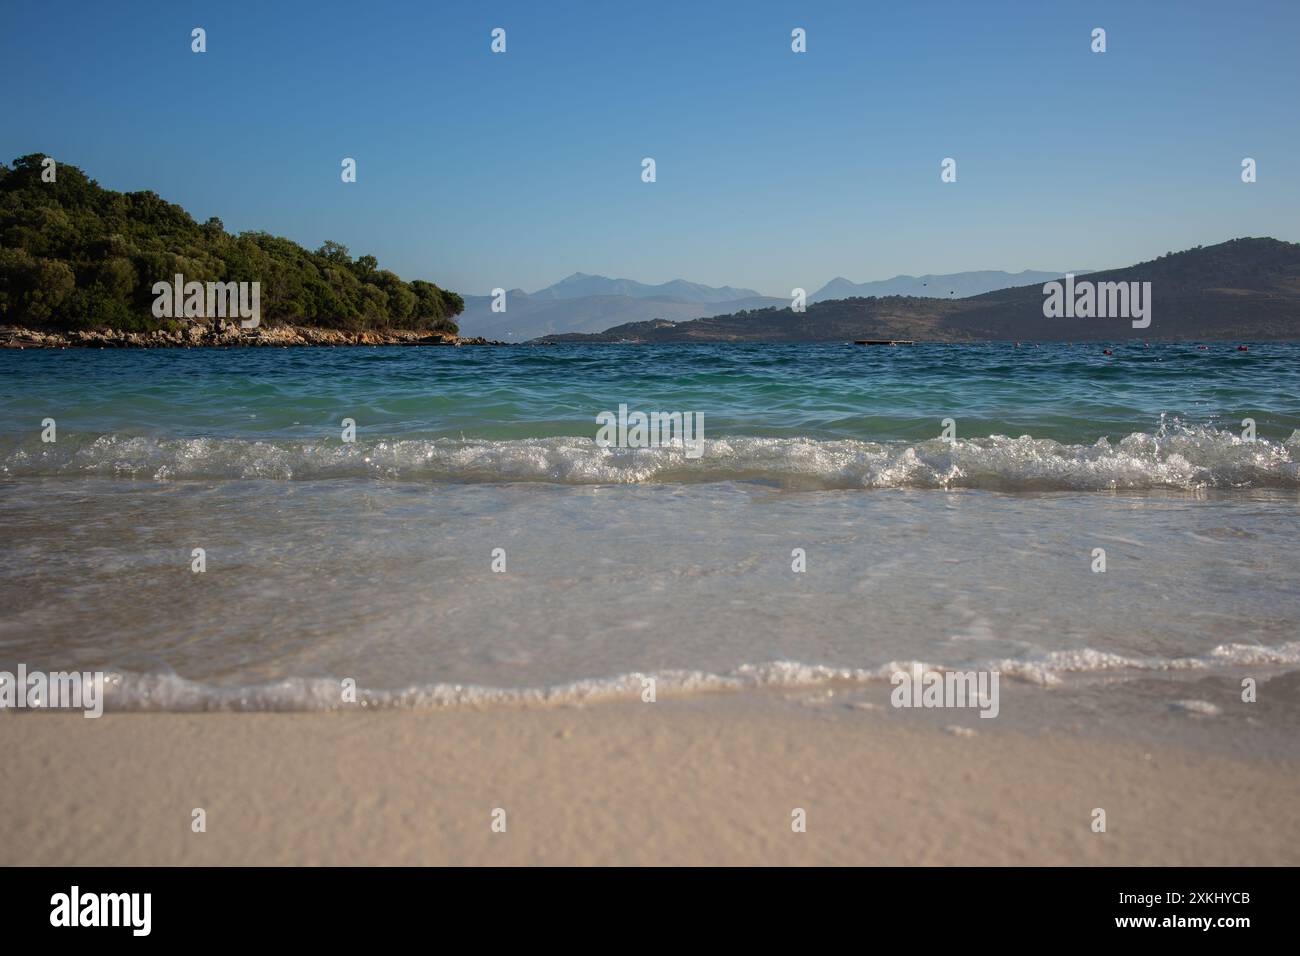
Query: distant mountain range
x,y
585,303
580,285
589,303
531,315
1240,289
957,285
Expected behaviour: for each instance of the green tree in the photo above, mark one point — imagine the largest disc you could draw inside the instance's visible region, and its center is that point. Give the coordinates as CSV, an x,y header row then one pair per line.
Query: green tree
x,y
73,254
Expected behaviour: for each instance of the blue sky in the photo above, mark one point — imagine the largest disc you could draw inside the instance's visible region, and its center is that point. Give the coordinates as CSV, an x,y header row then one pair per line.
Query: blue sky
x,y
775,169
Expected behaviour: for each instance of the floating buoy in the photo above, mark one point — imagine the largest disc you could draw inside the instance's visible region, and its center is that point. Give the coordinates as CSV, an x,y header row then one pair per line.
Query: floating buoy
x,y
1242,348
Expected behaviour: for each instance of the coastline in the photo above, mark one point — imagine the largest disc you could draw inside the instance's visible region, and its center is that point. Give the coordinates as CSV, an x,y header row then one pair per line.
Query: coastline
x,y
226,334
319,559
708,779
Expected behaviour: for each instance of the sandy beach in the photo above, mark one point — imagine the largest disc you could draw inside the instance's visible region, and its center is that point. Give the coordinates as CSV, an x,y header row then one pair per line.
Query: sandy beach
x,y
712,779
699,435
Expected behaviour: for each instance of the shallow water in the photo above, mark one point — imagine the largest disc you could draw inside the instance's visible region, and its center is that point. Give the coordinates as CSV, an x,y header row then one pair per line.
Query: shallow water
x,y
373,561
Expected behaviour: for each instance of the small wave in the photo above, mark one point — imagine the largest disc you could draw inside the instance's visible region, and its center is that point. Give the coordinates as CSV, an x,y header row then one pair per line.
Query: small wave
x,y
1175,457
168,692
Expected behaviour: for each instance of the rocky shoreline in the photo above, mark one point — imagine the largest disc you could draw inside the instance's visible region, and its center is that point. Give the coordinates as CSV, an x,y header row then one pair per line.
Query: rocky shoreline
x,y
225,334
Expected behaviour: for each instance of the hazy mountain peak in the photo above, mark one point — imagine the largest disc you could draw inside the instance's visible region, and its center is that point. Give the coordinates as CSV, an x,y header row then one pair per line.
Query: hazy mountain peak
x,y
957,285
581,285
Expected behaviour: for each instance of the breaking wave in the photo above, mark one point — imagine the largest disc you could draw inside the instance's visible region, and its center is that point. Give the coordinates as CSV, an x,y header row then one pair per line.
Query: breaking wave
x,y
168,692
1175,457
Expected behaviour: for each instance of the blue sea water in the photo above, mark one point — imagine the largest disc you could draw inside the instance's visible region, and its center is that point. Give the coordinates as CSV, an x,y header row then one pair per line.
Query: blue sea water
x,y
1070,394
374,559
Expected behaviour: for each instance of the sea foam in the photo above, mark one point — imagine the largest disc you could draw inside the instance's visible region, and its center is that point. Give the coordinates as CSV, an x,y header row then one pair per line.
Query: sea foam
x,y
169,692
1174,457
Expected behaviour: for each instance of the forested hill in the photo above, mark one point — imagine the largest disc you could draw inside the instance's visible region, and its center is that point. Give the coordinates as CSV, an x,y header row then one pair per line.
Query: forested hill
x,y
76,256
1240,289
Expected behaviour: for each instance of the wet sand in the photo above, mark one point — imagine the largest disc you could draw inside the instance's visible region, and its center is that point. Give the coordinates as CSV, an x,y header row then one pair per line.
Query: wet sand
x,y
712,779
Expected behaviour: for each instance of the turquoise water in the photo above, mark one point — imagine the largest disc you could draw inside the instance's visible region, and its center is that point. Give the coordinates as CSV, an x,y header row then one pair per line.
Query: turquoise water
x,y
832,416
373,559
1069,394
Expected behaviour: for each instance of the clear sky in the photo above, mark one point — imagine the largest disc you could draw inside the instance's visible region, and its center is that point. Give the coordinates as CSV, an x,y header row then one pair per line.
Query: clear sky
x,y
775,169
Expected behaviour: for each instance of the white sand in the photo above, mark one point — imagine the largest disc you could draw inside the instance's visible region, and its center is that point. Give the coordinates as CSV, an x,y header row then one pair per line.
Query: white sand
x,y
710,780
